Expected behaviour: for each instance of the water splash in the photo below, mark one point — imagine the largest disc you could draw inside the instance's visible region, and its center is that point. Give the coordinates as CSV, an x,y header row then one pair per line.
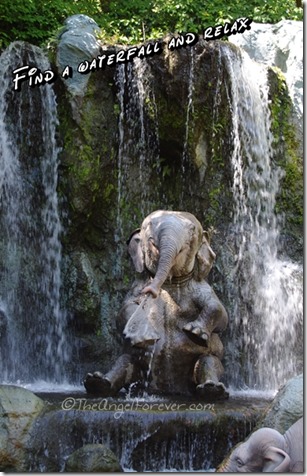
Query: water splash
x,y
150,358
36,346
266,292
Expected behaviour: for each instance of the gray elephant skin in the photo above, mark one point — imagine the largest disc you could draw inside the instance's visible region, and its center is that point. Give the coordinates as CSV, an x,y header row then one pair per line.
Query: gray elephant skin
x,y
171,318
268,451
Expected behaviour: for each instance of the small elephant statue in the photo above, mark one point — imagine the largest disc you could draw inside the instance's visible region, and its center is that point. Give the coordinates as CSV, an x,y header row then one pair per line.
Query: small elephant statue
x,y
267,451
173,248
171,318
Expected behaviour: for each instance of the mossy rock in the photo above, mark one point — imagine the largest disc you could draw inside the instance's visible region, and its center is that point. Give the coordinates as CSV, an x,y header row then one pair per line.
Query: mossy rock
x,y
94,458
18,410
287,406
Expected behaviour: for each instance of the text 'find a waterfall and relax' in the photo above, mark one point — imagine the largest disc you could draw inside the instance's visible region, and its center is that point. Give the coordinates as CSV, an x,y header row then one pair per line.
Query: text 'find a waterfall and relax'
x,y
189,39
35,77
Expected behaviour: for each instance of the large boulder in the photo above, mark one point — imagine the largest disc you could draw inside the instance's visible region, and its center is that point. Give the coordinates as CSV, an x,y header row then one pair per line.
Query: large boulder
x,y
93,458
287,407
18,410
77,42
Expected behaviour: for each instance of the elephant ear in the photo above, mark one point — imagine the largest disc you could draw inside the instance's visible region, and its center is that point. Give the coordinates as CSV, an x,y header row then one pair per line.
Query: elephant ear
x,y
276,461
153,250
204,258
135,250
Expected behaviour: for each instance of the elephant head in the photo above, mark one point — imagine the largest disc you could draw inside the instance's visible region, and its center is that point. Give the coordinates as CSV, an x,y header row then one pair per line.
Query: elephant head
x,y
264,451
166,245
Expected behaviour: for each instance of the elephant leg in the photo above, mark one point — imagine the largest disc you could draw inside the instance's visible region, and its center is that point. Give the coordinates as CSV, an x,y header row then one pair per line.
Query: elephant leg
x,y
212,318
109,384
207,373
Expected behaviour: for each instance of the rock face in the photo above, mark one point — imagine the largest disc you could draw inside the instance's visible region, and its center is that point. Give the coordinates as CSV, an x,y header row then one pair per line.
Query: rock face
x,y
145,435
287,407
93,458
18,409
154,134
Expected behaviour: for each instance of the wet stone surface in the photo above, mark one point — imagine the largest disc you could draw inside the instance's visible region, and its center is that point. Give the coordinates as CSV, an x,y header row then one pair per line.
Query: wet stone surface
x,y
145,434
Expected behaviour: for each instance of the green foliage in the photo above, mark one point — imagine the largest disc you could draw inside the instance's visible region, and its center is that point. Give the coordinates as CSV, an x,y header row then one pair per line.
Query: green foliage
x,y
36,20
133,21
149,19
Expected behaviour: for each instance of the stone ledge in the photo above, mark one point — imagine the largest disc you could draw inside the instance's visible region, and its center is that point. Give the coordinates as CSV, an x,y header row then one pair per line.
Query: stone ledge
x,y
145,434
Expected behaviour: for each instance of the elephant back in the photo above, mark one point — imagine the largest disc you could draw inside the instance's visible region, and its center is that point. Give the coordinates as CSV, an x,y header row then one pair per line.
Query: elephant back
x,y
294,439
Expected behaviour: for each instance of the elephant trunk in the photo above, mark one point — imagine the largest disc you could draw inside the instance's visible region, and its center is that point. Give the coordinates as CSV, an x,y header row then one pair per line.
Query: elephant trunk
x,y
169,248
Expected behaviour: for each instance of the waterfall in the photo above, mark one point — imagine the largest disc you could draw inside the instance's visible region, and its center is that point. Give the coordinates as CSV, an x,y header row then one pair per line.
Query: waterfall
x,y
120,80
144,167
266,290
138,146
144,440
188,128
189,110
34,343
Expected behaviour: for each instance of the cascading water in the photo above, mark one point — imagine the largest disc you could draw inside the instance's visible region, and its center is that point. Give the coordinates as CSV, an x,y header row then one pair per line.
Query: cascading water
x,y
34,344
138,144
144,439
189,108
120,157
188,125
141,80
265,291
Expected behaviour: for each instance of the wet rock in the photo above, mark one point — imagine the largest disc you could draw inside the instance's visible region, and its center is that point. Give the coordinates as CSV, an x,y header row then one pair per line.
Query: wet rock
x,y
146,434
3,323
18,410
287,407
83,291
93,458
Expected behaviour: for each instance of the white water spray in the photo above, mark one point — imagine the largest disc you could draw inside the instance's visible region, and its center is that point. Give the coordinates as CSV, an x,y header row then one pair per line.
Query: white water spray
x,y
268,291
35,345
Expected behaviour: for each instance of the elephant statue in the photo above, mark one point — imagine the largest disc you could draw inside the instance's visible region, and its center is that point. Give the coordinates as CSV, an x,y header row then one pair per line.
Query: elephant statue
x,y
268,451
171,318
173,248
